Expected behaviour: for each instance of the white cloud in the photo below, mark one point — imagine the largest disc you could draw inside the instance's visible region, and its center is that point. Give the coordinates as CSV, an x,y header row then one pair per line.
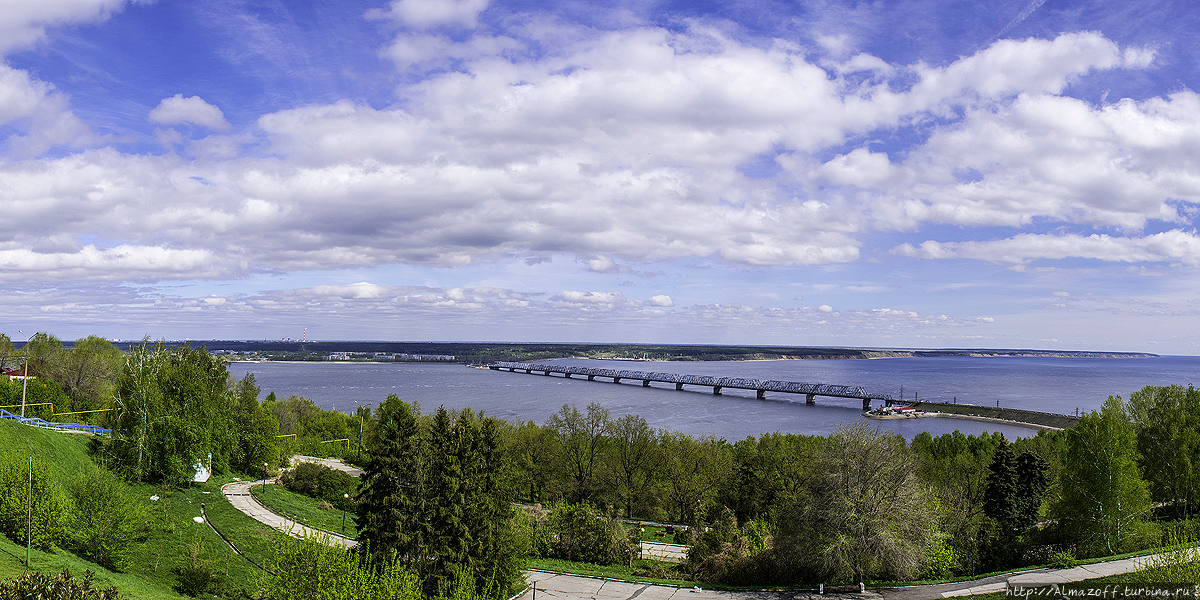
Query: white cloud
x,y
1173,246
22,23
432,13
660,300
591,298
193,109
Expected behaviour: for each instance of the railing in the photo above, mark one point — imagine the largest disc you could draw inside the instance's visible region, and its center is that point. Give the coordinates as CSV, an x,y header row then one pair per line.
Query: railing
x,y
44,424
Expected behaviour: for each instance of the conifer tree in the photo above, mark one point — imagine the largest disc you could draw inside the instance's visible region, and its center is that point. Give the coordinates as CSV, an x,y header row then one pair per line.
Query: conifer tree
x,y
390,512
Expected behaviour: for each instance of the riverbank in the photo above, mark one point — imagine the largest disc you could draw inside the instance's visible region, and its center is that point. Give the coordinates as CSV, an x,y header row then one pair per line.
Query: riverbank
x,y
1007,416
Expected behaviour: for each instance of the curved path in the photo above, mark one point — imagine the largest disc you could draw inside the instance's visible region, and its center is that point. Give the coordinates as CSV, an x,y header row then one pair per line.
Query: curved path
x,y
558,586
238,494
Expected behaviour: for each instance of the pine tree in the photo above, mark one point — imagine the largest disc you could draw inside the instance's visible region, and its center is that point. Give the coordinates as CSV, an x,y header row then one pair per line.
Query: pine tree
x,y
999,502
390,512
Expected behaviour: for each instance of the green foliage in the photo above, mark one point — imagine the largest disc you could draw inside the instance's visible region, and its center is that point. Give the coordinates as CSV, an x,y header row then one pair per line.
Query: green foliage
x,y
1063,559
197,575
636,460
1104,500
1179,563
865,516
50,506
319,481
694,470
1168,437
41,586
312,570
941,560
583,533
106,521
255,429
87,372
583,440
172,414
726,554
37,391
435,499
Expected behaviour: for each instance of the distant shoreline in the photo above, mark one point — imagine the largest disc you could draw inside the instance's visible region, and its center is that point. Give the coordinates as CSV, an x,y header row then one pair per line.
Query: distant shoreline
x,y
932,414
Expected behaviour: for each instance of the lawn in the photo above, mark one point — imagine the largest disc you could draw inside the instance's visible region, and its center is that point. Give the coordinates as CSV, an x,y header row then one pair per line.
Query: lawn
x,y
304,509
173,536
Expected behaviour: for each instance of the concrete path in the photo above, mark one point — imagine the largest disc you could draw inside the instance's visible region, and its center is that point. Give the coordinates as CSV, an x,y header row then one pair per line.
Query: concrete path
x,y
554,586
238,494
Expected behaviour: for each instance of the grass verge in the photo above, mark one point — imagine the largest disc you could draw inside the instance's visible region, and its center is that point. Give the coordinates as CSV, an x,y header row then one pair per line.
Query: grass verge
x,y
303,509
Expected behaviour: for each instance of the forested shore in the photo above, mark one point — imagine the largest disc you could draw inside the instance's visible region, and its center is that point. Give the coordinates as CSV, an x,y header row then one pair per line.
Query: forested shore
x,y
437,507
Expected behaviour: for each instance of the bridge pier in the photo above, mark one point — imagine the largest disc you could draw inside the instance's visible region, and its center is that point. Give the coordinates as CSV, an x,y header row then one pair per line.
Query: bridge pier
x,y
716,390
528,371
591,377
679,386
866,404
810,398
546,373
762,394
645,383
567,375
616,380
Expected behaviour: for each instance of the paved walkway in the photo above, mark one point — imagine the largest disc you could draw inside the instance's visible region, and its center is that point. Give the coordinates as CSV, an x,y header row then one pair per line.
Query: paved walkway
x,y
238,494
332,463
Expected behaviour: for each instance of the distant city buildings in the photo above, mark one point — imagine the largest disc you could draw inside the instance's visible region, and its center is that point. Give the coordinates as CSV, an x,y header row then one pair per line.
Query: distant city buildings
x,y
384,356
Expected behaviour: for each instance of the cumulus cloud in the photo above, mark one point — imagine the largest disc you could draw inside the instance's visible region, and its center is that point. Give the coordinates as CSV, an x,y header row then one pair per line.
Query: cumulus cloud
x,y
22,23
193,109
660,300
432,13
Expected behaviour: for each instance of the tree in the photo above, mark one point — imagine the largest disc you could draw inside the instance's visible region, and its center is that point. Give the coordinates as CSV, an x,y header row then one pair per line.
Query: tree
x,y
87,370
1168,437
42,352
391,507
535,449
435,499
582,438
635,459
863,516
694,469
255,428
7,352
1104,499
172,414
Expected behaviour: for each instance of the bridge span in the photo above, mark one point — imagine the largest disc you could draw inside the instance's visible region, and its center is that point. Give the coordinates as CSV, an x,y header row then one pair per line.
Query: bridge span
x,y
760,386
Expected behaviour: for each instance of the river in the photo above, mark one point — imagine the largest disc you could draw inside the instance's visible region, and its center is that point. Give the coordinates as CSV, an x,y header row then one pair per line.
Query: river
x,y
1059,385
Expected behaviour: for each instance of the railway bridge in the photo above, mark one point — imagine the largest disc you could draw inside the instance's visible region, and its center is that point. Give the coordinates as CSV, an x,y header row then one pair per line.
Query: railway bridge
x,y
760,386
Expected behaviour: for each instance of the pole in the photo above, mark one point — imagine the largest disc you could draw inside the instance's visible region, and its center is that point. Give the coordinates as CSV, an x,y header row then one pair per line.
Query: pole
x,y
29,516
25,381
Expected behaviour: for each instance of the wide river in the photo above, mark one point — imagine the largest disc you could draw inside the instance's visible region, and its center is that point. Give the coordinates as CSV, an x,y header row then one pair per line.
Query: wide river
x,y
1058,385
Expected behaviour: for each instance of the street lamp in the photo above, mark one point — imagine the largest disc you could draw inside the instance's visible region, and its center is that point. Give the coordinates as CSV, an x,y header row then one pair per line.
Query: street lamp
x,y
345,497
25,381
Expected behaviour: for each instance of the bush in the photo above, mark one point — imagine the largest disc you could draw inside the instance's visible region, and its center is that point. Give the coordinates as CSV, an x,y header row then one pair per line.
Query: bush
x,y
54,587
582,533
106,521
307,569
50,506
197,575
319,481
1063,559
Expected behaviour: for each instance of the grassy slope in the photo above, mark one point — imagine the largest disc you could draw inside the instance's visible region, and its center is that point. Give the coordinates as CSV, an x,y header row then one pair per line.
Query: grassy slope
x,y
152,574
303,509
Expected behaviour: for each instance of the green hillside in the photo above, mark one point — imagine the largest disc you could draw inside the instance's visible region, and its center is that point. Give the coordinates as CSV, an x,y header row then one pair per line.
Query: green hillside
x,y
173,534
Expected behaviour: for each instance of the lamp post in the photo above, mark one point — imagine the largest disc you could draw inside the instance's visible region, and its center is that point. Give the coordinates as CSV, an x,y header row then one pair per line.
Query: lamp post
x,y
25,381
358,410
29,516
345,497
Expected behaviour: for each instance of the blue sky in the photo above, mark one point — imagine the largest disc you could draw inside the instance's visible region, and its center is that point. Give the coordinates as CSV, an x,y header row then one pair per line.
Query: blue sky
x,y
891,174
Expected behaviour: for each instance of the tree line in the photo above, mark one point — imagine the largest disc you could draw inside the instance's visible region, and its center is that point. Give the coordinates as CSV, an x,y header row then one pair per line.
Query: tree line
x,y
858,504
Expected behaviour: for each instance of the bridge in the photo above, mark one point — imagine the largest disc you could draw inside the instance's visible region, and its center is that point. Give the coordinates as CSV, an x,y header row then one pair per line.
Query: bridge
x,y
760,386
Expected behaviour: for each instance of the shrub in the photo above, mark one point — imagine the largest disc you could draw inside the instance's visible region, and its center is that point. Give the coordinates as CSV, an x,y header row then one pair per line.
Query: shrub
x,y
307,569
54,587
1063,559
49,504
106,521
320,482
197,575
582,533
